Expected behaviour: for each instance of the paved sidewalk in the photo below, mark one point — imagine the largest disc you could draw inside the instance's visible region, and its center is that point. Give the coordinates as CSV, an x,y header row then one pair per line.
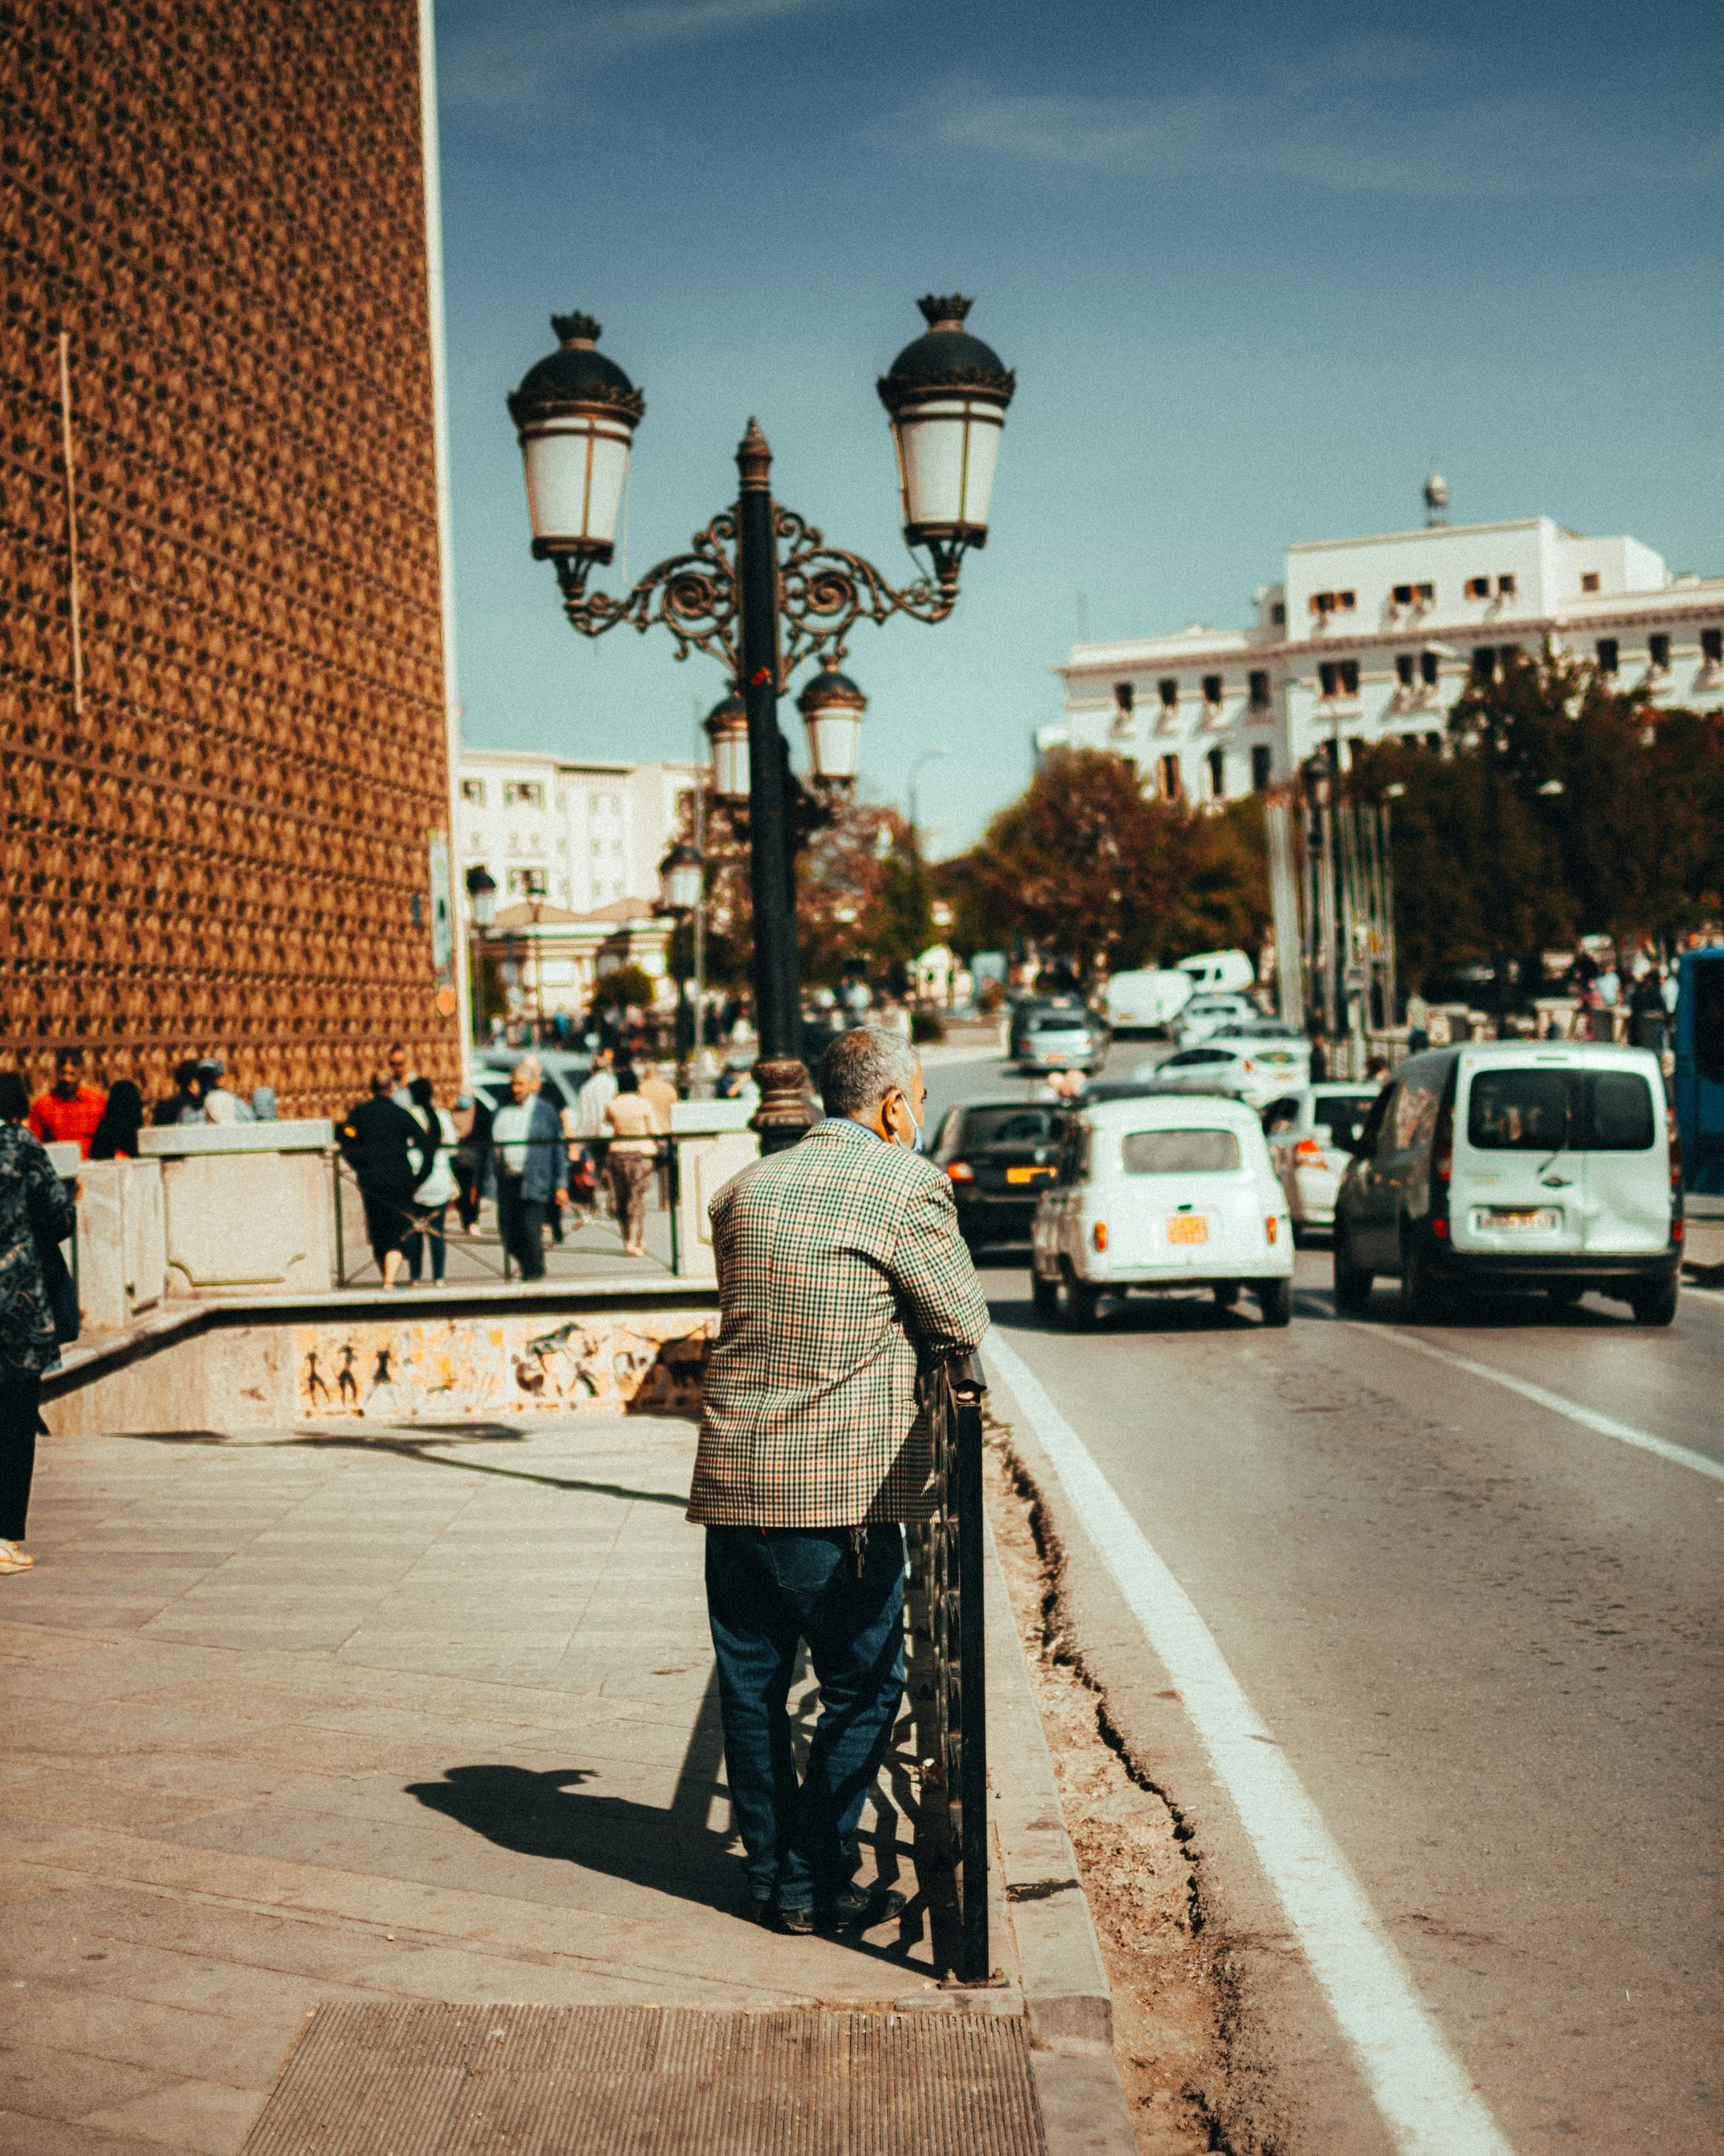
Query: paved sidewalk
x,y
301,1719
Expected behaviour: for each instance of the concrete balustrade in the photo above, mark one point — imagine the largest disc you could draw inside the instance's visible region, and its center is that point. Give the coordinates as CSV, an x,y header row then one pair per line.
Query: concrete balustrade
x,y
247,1209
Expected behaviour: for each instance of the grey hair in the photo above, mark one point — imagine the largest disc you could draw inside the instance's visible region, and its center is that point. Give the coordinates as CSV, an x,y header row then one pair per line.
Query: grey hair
x,y
530,1066
860,1069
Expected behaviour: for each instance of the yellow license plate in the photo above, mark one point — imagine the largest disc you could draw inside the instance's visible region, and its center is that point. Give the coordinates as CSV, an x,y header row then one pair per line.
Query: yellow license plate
x,y
1026,1174
1187,1228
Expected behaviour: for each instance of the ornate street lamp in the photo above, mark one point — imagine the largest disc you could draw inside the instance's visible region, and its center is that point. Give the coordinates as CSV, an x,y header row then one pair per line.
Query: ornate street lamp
x,y
760,591
832,707
727,729
482,911
576,413
482,897
681,879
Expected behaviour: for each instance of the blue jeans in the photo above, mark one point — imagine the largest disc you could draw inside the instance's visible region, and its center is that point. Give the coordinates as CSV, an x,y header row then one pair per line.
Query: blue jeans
x,y
767,1588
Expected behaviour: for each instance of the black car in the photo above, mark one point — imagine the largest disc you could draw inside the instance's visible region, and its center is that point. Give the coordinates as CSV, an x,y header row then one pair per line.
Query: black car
x,y
999,1155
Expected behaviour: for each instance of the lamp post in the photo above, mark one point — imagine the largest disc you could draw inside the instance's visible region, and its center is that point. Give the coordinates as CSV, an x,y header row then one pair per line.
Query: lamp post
x,y
682,883
481,911
760,591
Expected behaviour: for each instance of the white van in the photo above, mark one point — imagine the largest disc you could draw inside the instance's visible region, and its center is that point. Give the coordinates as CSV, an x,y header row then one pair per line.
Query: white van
x,y
1219,969
1544,1164
1140,1002
1172,1193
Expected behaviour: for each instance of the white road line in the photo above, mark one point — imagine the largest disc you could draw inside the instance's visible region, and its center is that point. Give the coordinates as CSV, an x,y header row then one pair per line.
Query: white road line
x,y
1606,1425
1422,2090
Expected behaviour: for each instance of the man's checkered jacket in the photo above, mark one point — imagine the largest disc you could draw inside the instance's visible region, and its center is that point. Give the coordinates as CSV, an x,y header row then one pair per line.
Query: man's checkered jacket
x,y
837,1259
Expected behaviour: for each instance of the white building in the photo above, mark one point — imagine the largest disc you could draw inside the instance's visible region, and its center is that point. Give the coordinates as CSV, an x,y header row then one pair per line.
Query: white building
x,y
582,834
1365,640
574,848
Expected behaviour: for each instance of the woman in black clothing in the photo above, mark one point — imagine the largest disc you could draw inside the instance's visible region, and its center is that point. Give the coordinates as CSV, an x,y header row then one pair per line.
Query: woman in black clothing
x,y
35,1208
390,1155
116,1136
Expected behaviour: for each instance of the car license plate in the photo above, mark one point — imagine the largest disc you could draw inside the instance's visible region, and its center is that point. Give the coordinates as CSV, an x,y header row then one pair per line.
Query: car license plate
x,y
1187,1228
1026,1174
1545,1220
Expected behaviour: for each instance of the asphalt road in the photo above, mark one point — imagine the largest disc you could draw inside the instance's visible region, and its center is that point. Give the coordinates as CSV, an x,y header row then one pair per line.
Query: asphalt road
x,y
1484,1638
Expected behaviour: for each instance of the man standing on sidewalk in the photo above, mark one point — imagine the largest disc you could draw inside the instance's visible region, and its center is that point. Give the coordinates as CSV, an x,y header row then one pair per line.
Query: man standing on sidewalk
x,y
842,1278
530,1162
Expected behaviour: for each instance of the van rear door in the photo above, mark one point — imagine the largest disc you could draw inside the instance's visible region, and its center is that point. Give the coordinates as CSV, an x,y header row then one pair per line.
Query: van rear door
x,y
1627,1183
1518,1185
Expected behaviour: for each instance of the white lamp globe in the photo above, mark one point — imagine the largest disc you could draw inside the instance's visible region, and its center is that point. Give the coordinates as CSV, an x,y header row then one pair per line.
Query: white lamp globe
x,y
727,729
947,395
576,413
832,707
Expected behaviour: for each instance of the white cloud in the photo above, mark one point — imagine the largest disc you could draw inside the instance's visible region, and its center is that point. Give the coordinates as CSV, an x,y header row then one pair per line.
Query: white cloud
x,y
524,51
1380,115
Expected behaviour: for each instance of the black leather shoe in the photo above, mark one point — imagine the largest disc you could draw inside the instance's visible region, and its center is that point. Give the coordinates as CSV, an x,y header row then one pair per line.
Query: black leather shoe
x,y
853,1910
798,1921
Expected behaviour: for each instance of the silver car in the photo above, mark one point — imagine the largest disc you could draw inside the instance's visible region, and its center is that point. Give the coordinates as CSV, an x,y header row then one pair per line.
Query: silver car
x,y
1311,1134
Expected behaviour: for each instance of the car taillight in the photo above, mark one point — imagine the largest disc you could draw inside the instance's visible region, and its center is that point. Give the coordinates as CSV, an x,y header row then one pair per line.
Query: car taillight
x,y
960,1171
1308,1149
1441,1171
1271,1224
1098,1234
1675,1136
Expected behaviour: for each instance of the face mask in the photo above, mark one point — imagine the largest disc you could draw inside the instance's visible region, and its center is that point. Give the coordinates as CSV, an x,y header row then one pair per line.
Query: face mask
x,y
915,1145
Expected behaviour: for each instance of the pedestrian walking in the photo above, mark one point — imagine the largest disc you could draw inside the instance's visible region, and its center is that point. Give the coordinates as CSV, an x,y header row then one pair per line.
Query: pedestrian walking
x,y
68,1109
529,1160
1418,1024
472,1120
401,1074
843,1283
386,1149
36,1216
437,1186
115,1137
185,1104
656,1088
595,1095
635,1124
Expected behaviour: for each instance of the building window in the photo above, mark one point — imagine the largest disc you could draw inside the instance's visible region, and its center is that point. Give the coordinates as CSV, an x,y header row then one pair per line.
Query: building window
x,y
1217,774
1429,669
1434,742
1406,669
1606,650
473,791
526,883
1339,677
1508,657
1170,778
1278,613
1484,663
1260,768
1505,587
1406,595
1333,602
1711,646
1589,580
1657,650
1125,697
1259,692
1409,741
523,794
1212,688
1168,692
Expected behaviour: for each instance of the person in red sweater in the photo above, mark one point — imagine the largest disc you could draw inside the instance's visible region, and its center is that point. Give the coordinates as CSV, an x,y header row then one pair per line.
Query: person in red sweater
x,y
69,1109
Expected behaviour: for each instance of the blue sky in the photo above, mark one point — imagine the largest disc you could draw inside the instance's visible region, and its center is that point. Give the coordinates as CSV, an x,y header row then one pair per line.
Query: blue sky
x,y
1257,269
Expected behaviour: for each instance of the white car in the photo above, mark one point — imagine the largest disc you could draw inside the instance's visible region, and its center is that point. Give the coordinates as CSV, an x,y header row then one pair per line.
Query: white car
x,y
1311,1136
1258,1067
1160,1193
1209,1012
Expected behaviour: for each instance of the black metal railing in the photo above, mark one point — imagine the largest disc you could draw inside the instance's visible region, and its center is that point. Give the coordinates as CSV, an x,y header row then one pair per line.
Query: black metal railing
x,y
485,1254
948,1657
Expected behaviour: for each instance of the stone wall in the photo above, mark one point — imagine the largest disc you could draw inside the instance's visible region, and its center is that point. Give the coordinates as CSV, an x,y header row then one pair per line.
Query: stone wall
x,y
216,812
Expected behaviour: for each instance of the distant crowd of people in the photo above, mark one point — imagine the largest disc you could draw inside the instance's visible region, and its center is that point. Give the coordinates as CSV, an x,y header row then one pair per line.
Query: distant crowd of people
x,y
413,1158
104,1125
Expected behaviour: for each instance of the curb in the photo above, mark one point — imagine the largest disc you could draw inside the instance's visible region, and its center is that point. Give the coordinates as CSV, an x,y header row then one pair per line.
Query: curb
x,y
1067,2001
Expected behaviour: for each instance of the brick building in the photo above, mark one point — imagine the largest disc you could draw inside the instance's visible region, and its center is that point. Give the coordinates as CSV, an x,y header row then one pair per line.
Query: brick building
x,y
224,771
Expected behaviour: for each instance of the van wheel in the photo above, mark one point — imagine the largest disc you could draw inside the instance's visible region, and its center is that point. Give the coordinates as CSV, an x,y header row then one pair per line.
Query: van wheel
x,y
1275,1298
1352,1283
1082,1303
1422,1298
1045,1296
1226,1294
1655,1304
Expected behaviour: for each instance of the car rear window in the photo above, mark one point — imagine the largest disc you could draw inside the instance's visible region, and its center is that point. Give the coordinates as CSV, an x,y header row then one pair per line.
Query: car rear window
x,y
1188,1056
1560,1111
1059,1022
1179,1153
987,1126
1341,1116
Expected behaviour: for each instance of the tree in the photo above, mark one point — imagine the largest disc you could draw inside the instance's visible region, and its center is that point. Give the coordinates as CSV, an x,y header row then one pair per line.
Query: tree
x,y
1086,868
624,985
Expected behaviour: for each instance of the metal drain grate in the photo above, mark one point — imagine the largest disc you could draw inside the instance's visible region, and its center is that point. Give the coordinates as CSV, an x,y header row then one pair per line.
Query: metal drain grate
x,y
427,2080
